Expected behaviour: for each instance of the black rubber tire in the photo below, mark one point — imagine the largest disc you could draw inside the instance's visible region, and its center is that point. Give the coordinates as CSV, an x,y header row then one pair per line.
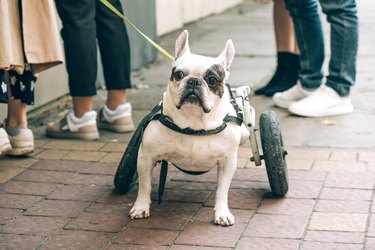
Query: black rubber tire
x,y
273,152
125,177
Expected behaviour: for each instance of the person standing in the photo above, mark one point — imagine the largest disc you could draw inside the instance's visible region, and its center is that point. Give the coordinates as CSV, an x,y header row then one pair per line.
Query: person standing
x,y
309,97
287,69
86,23
29,44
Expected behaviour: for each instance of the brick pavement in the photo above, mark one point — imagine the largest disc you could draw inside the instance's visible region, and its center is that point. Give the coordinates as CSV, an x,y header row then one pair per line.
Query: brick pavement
x,y
61,198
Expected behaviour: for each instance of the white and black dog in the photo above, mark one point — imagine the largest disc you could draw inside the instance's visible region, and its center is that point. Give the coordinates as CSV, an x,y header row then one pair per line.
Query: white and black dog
x,y
196,98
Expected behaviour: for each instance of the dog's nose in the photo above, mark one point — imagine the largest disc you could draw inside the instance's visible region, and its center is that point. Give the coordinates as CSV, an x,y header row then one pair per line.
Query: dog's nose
x,y
194,82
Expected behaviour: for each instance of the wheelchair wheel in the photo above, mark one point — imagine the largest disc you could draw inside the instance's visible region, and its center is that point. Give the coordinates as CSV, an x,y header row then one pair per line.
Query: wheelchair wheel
x,y
126,174
274,153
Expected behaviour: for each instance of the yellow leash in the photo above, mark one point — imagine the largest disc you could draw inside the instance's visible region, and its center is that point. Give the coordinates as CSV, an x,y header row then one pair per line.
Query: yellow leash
x,y
118,13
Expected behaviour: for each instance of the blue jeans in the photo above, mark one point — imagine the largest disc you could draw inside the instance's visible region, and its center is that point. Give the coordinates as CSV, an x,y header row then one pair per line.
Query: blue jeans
x,y
342,15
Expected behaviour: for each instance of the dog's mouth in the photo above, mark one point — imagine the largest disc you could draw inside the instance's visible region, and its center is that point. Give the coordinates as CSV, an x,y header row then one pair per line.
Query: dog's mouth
x,y
192,97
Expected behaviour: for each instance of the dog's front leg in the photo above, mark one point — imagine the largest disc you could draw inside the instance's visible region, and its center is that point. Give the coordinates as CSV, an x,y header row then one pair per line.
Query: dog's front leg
x,y
141,208
224,177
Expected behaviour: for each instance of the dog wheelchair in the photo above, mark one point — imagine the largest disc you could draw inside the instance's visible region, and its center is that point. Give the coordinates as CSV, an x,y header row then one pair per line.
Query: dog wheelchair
x,y
271,140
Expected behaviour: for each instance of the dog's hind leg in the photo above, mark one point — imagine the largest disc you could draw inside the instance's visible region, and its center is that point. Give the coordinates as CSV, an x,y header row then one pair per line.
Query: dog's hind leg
x,y
141,208
224,177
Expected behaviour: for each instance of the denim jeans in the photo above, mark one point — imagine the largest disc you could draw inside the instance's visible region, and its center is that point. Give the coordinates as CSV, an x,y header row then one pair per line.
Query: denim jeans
x,y
342,15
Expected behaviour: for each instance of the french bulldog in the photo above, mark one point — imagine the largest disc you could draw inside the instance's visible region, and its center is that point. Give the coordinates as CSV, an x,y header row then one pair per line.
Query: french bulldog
x,y
196,98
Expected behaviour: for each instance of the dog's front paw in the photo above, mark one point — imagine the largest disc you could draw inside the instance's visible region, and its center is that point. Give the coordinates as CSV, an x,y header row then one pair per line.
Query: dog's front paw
x,y
224,217
140,210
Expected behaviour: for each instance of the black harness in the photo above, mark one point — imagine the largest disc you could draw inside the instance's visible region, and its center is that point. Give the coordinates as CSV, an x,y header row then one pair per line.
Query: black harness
x,y
128,163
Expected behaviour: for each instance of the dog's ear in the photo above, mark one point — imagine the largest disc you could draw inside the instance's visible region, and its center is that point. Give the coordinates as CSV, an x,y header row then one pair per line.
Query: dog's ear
x,y
227,55
182,44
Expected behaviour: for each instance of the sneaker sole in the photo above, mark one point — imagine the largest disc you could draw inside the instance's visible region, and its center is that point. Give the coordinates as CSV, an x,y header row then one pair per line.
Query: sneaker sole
x,y
70,135
281,103
341,110
119,128
21,151
5,149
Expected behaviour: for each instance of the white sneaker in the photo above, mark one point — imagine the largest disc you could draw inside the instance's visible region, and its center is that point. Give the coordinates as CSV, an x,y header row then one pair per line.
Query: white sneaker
x,y
294,94
323,102
21,139
5,146
118,120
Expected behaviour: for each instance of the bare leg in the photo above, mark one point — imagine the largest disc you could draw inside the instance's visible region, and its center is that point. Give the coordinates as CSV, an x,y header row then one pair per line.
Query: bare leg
x,y
82,104
115,98
16,110
284,30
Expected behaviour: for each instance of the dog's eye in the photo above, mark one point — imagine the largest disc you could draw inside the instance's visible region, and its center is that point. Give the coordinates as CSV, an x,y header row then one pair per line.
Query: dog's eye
x,y
212,80
178,75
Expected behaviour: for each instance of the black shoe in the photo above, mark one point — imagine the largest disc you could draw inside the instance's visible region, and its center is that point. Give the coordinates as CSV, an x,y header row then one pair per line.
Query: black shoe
x,y
285,61
288,79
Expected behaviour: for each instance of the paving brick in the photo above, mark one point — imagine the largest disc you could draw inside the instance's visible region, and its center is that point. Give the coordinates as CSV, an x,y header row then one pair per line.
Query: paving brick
x,y
73,145
84,156
91,179
306,175
105,208
191,247
99,222
9,167
371,226
19,242
184,195
144,236
251,174
266,243
167,220
286,206
346,156
370,243
335,237
35,225
7,215
203,232
350,180
299,164
59,165
133,247
308,154
276,226
29,188
112,198
18,201
240,198
100,168
366,156
304,189
360,207
320,245
114,147
345,194
78,192
338,222
235,184
57,208
39,143
112,157
188,185
46,176
73,239
51,154
334,166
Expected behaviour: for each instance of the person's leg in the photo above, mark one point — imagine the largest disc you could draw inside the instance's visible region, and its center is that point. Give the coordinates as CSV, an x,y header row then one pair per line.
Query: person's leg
x,y
286,73
79,35
114,48
343,18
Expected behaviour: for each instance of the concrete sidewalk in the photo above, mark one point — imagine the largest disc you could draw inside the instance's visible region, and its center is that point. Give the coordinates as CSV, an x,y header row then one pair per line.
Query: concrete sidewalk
x,y
60,197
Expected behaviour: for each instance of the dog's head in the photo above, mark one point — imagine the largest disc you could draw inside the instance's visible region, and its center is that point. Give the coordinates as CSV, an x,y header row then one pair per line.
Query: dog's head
x,y
198,82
